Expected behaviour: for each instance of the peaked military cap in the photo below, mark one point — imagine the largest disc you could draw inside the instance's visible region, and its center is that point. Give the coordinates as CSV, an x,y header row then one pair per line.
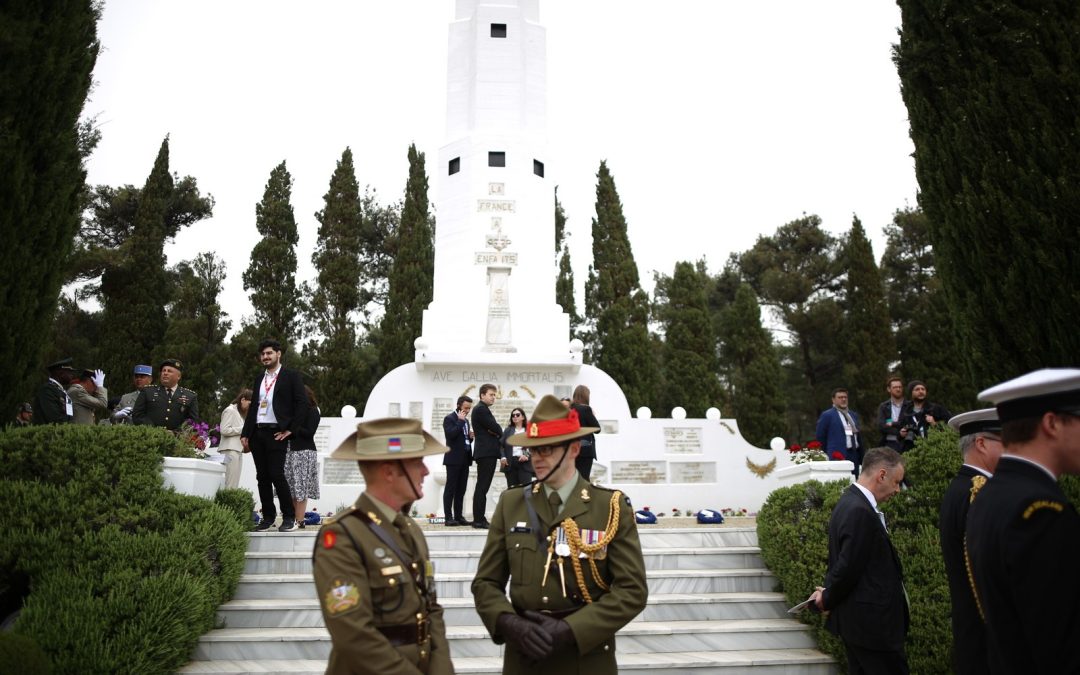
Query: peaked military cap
x,y
975,421
1038,392
62,364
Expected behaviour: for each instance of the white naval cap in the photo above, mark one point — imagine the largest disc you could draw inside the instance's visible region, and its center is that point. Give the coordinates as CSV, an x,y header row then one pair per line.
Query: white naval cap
x,y
974,421
1038,392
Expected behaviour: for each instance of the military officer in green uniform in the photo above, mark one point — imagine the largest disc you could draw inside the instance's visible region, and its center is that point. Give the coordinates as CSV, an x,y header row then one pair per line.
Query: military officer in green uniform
x,y
166,404
373,575
1023,535
571,553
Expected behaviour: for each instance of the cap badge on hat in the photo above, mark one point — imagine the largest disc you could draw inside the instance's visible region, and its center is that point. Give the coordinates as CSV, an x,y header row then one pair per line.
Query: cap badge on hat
x,y
556,427
393,445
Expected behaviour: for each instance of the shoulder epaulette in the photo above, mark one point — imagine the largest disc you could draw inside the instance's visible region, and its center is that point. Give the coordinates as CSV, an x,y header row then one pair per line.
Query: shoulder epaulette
x,y
977,483
1041,504
329,520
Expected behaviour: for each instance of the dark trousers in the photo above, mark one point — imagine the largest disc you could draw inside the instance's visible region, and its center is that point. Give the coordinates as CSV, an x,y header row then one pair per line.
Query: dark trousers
x,y
485,471
453,496
863,661
584,466
269,457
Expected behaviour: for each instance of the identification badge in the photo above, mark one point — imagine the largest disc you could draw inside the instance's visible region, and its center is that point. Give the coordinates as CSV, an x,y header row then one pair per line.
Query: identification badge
x,y
262,404
391,571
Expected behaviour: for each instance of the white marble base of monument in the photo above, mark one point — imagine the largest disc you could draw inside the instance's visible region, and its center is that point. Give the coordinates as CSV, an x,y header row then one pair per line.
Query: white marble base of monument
x,y
820,471
199,477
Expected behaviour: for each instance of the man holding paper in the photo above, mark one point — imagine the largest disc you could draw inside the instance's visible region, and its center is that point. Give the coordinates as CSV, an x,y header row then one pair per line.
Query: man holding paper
x,y
864,588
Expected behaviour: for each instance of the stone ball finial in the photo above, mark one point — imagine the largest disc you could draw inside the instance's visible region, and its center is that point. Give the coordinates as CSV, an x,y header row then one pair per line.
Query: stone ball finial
x,y
576,346
348,412
712,414
678,413
643,413
777,443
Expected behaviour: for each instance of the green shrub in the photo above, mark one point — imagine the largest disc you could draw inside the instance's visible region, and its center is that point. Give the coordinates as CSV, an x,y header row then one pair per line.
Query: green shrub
x,y
793,534
114,573
239,502
20,654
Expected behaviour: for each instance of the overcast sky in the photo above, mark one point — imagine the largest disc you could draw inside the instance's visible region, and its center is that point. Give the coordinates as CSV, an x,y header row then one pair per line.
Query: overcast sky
x,y
721,120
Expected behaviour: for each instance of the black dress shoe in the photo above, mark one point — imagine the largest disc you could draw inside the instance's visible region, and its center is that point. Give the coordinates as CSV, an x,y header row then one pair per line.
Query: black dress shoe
x,y
450,522
481,524
264,525
462,522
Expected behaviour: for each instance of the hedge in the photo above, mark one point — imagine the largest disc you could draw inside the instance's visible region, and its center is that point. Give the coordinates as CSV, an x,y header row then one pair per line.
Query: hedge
x,y
112,573
793,535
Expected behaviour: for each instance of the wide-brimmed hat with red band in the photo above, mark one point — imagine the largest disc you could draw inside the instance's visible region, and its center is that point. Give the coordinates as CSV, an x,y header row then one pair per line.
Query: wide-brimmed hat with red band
x,y
386,439
551,424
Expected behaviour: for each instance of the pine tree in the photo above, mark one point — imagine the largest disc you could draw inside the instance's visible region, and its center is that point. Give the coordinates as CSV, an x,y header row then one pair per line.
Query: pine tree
x,y
335,301
689,358
868,347
197,330
991,91
47,55
137,289
615,306
926,341
271,274
564,284
753,370
413,271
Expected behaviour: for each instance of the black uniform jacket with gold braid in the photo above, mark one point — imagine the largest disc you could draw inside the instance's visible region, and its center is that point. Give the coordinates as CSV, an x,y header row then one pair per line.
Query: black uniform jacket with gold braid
x,y
514,552
371,599
154,407
969,634
1023,543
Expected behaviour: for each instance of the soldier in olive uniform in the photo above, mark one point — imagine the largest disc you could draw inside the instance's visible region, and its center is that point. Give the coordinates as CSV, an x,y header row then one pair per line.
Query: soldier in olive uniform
x,y
166,404
373,575
571,553
980,443
1023,535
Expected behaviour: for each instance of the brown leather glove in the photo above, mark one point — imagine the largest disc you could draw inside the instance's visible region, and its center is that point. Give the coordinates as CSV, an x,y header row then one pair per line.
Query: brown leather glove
x,y
530,638
561,633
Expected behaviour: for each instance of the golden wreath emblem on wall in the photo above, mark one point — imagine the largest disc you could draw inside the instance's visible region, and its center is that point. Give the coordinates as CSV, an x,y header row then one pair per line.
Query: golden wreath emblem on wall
x,y
761,470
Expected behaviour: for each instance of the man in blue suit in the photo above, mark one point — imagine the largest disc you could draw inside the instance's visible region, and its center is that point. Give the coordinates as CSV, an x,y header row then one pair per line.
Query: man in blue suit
x,y
457,461
839,431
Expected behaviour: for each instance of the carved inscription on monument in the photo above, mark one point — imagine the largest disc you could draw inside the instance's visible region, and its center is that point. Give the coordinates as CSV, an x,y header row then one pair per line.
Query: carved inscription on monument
x,y
693,472
495,258
495,205
496,188
440,408
341,472
638,472
682,440
322,438
416,410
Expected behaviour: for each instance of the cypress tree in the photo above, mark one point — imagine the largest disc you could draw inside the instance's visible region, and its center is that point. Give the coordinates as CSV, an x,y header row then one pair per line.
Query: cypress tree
x,y
615,306
335,302
47,54
991,91
271,274
926,342
753,370
564,284
690,365
413,271
138,288
867,348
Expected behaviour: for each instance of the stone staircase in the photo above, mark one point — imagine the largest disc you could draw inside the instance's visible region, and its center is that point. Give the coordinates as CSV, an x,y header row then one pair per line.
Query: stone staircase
x,y
711,609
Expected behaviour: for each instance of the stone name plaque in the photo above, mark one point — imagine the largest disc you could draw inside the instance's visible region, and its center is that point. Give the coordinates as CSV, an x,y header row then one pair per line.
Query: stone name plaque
x,y
693,472
341,472
322,439
416,411
682,440
638,472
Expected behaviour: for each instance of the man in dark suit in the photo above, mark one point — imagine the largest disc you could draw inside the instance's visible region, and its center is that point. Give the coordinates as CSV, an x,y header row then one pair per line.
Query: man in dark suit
x,y
166,404
1023,535
864,588
980,443
279,406
52,405
457,461
838,430
487,451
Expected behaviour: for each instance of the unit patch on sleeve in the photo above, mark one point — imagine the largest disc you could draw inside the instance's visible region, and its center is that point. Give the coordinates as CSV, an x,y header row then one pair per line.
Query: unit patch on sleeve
x,y
341,598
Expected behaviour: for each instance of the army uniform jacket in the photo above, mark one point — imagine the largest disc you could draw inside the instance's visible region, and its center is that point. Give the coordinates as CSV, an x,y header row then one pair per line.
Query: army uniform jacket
x,y
513,552
85,405
364,586
1023,543
155,408
969,635
51,404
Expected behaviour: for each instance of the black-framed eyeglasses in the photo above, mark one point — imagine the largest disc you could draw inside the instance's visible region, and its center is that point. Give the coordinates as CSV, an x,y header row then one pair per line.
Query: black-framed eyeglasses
x,y
545,450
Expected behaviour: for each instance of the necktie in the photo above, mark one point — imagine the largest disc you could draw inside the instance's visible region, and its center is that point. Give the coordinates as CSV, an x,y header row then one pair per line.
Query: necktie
x,y
881,516
405,533
851,424
555,501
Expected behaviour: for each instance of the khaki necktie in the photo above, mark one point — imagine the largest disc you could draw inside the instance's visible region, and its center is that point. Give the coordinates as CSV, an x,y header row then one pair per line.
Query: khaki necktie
x,y
555,502
404,529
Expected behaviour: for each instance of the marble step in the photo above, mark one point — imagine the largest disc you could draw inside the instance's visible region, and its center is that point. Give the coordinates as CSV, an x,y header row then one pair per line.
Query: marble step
x,y
305,612
457,585
743,662
468,539
730,557
473,641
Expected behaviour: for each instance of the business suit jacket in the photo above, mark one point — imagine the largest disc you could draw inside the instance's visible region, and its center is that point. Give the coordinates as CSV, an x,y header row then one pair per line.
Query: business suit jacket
x,y
290,402
864,590
513,553
830,433
488,432
457,439
969,634
1023,541
50,404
